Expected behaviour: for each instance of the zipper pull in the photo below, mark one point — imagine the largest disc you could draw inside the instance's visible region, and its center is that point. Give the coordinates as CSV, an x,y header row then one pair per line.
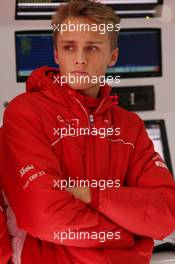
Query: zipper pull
x,y
91,118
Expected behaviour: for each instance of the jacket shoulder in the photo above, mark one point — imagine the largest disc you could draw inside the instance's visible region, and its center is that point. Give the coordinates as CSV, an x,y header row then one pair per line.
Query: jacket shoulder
x,y
22,105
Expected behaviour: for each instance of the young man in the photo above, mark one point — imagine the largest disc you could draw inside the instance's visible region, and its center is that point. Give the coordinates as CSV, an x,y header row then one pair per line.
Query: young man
x,y
79,172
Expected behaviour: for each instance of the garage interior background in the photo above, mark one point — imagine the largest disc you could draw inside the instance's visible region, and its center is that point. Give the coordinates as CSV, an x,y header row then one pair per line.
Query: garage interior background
x,y
164,86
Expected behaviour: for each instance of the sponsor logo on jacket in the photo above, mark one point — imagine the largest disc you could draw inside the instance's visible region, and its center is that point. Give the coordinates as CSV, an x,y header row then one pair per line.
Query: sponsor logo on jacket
x,y
24,170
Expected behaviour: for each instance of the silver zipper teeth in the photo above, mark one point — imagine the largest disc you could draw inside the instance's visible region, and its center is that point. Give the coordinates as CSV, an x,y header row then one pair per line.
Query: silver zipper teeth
x,y
90,117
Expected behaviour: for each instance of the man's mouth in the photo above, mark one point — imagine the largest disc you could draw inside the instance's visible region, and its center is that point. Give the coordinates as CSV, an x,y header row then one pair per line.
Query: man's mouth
x,y
80,72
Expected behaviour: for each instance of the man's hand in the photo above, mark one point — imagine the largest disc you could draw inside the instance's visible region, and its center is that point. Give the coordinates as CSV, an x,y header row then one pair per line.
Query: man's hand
x,y
81,193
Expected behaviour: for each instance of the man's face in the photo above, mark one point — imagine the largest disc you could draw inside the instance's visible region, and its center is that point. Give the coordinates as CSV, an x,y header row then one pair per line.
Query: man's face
x,y
84,53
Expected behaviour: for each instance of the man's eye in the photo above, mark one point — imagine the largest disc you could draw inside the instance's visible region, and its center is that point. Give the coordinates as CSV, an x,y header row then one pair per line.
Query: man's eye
x,y
93,48
68,48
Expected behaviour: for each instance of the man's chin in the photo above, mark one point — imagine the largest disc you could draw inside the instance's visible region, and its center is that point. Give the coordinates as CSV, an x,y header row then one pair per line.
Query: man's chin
x,y
80,86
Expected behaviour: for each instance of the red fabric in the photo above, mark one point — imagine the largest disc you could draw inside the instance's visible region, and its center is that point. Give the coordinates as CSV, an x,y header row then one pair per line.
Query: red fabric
x,y
35,157
5,247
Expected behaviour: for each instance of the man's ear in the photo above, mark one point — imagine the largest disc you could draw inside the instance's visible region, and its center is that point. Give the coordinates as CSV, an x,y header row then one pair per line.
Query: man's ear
x,y
114,57
56,55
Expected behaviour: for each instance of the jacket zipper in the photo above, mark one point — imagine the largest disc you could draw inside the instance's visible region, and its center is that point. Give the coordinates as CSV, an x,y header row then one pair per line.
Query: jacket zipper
x,y
91,120
91,116
91,124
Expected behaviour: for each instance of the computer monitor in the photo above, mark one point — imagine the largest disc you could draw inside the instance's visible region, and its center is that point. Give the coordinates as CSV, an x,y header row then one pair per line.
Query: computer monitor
x,y
157,132
139,56
34,48
139,53
44,9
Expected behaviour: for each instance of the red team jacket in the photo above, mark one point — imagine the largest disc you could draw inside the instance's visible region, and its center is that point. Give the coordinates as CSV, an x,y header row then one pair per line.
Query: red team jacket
x,y
136,206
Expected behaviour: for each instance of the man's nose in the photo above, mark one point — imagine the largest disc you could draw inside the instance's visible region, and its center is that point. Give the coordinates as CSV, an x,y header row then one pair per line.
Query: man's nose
x,y
81,57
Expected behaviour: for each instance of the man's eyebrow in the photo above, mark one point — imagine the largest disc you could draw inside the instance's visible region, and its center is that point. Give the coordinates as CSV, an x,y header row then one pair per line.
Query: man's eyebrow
x,y
87,42
95,42
68,41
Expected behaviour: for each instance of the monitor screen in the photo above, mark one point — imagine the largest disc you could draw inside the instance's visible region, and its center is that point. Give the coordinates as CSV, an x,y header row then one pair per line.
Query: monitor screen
x,y
139,56
33,50
157,132
44,9
139,53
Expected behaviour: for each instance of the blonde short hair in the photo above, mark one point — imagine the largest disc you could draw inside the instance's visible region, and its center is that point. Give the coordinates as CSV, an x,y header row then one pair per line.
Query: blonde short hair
x,y
98,12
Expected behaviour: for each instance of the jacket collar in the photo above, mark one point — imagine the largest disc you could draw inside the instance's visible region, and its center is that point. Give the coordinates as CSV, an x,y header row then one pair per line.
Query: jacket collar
x,y
43,79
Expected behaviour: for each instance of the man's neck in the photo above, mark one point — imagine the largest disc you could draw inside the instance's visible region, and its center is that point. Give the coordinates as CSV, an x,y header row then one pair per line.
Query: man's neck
x,y
94,92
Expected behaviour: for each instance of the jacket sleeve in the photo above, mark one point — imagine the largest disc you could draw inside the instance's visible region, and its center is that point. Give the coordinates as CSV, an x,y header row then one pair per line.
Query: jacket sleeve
x,y
31,167
146,204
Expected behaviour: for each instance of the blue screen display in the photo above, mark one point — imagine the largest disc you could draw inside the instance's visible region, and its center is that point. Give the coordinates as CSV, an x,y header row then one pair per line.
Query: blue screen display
x,y
33,51
139,53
